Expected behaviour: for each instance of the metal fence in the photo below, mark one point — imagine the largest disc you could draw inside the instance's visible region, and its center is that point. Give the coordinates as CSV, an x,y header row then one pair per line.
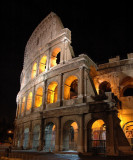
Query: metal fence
x,y
98,146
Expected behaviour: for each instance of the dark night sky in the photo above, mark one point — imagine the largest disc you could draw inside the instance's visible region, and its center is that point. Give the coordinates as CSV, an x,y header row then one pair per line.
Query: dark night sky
x,y
100,29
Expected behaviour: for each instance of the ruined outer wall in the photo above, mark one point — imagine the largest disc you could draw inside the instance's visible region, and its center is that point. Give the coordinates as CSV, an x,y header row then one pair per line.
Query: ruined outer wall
x,y
119,73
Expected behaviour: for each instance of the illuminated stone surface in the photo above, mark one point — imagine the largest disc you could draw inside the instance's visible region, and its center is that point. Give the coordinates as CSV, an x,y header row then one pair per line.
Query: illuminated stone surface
x,y
71,100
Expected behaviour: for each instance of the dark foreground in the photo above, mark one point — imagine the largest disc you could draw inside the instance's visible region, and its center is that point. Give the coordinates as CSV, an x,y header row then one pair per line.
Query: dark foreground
x,y
53,156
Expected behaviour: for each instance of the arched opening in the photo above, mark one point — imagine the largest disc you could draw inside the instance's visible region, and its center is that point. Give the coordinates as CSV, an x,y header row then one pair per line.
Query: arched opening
x,y
128,130
36,137
98,137
34,70
128,91
38,97
55,57
52,93
105,87
29,101
49,138
42,65
70,136
126,87
71,88
23,105
26,138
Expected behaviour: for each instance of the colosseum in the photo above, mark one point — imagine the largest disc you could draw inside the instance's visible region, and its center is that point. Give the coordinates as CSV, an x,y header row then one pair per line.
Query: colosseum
x,y
69,103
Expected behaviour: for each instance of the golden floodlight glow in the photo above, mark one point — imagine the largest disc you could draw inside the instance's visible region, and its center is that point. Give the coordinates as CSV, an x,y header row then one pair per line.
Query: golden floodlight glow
x,y
52,92
67,86
97,125
34,69
38,97
123,117
53,57
53,128
74,125
29,101
96,85
42,65
23,105
9,131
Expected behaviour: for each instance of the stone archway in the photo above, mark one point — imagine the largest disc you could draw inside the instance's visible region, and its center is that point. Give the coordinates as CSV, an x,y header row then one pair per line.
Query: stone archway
x,y
71,87
128,91
105,87
70,136
128,130
19,139
55,57
49,137
26,138
42,64
36,137
52,92
97,136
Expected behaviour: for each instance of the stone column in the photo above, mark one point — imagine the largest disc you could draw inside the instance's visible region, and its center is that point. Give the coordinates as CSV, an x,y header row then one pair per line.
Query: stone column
x,y
22,138
30,136
62,56
110,144
65,49
61,138
41,135
48,59
44,96
33,100
85,139
57,140
81,84
85,84
81,135
25,106
60,86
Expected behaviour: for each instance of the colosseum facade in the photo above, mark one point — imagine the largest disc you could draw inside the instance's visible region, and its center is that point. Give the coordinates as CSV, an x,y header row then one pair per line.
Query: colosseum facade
x,y
68,103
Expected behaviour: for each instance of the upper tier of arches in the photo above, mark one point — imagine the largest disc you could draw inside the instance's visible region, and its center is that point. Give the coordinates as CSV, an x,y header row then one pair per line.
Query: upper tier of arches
x,y
38,98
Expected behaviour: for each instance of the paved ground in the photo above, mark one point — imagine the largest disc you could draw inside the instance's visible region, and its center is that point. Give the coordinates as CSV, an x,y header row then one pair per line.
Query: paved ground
x,y
76,157
52,156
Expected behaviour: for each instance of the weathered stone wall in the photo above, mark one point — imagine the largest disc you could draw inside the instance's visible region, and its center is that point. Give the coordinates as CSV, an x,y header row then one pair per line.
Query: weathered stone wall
x,y
82,109
119,73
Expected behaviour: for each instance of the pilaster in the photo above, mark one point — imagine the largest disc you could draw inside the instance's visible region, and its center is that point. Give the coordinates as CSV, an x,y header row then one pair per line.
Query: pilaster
x,y
81,135
33,100
30,136
57,140
44,96
41,135
110,143
22,138
60,87
81,83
